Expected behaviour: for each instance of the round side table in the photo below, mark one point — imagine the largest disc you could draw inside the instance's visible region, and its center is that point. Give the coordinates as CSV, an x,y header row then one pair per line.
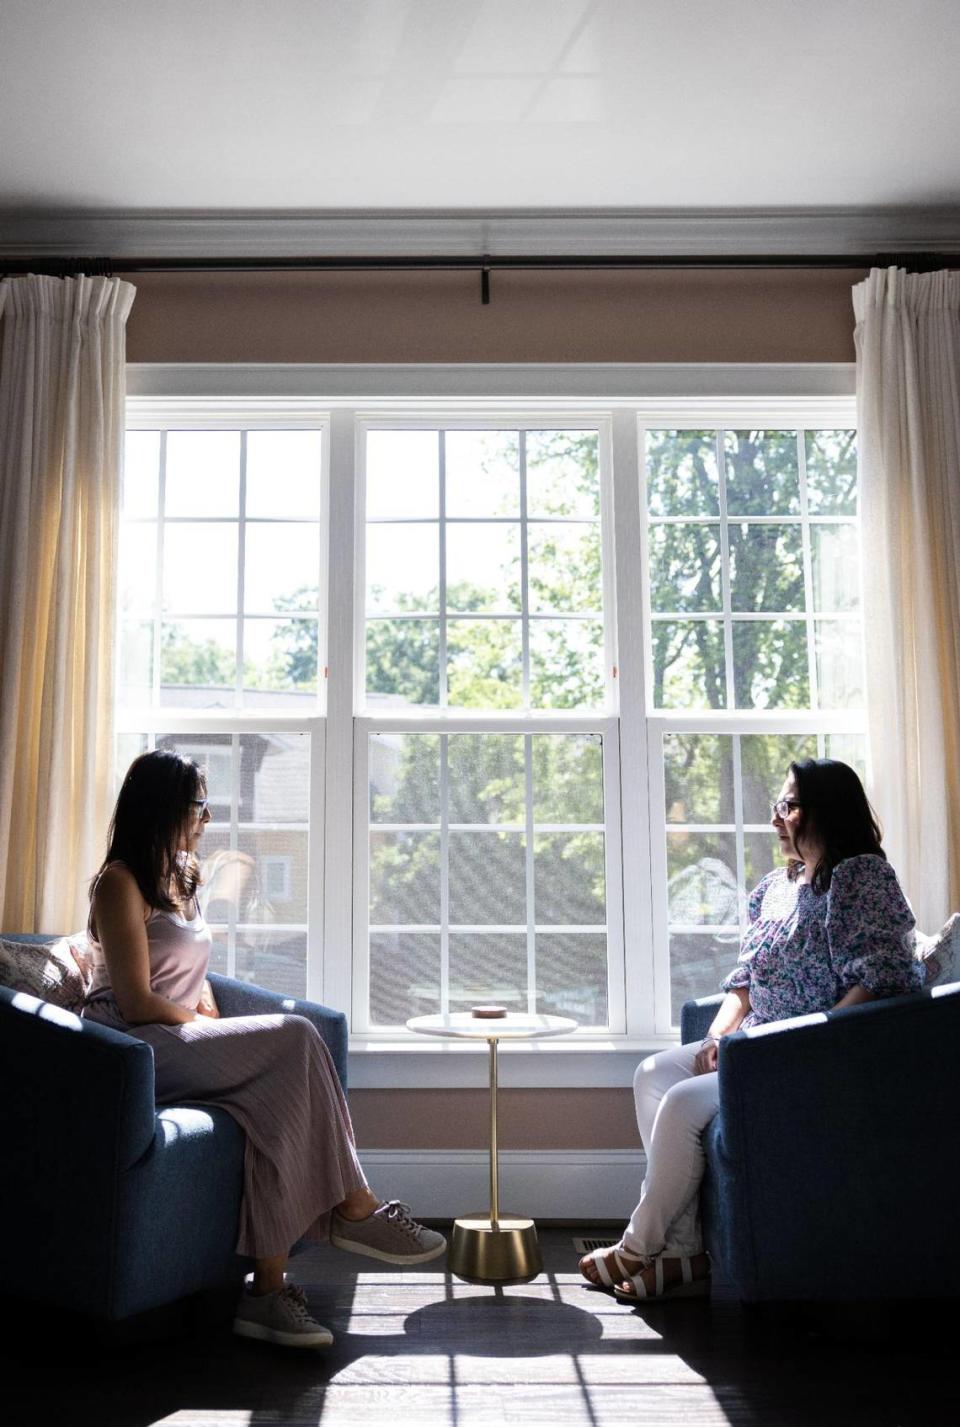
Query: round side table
x,y
493,1247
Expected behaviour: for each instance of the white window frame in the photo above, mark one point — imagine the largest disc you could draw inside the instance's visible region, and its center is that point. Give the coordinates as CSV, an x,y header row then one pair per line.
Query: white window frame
x,y
623,397
727,414
217,413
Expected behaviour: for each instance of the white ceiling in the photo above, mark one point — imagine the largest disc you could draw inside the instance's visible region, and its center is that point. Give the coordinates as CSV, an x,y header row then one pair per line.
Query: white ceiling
x,y
498,104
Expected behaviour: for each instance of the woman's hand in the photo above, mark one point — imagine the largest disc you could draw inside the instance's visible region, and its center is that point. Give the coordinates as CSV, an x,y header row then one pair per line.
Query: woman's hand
x,y
707,1056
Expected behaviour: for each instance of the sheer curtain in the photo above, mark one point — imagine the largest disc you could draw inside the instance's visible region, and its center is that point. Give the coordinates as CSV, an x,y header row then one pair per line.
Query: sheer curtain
x,y
62,383
908,401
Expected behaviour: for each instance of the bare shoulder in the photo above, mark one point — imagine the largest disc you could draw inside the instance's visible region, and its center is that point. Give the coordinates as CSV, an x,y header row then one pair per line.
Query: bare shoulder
x,y
117,892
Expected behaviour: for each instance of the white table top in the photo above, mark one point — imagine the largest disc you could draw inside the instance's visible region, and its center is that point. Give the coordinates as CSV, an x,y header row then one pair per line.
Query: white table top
x,y
514,1026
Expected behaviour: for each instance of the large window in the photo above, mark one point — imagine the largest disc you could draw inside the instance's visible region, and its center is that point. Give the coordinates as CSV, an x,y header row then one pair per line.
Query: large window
x,y
754,661
220,621
483,868
492,706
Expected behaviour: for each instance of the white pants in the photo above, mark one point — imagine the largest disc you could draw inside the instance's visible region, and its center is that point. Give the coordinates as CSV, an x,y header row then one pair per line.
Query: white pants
x,y
674,1107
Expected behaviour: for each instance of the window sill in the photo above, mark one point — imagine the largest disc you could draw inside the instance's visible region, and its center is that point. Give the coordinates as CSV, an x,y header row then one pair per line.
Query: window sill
x,y
407,1064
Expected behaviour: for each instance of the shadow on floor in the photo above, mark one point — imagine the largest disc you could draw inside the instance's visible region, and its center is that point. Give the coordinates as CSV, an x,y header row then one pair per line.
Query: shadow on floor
x,y
422,1347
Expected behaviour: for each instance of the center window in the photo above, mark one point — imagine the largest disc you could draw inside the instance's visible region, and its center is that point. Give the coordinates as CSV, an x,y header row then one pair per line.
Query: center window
x,y
485,739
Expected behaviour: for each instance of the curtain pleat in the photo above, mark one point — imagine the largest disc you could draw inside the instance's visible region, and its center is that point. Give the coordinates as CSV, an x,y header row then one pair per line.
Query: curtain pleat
x,y
908,405
62,390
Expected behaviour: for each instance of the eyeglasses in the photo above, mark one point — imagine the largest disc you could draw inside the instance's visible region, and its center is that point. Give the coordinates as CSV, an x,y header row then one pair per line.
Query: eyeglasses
x,y
201,805
783,807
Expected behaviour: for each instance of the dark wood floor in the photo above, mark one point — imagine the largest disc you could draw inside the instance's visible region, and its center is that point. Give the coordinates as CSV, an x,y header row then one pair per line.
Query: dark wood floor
x,y
420,1347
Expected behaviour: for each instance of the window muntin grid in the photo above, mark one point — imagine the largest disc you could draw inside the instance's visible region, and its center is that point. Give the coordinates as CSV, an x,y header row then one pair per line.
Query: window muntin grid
x,y
718,641
464,844
445,637
220,569
262,821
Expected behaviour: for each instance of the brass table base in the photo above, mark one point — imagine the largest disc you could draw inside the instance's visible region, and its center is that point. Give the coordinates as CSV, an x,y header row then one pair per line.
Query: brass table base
x,y
507,1253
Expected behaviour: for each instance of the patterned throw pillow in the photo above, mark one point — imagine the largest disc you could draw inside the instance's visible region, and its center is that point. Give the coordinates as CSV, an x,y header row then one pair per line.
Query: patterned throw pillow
x,y
940,954
45,969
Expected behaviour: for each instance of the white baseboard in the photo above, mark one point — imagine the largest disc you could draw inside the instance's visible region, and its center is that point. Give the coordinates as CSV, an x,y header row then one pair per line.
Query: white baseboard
x,y
588,1185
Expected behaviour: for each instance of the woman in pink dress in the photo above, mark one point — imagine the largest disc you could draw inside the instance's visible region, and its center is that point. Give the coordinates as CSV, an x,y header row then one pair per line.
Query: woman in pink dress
x,y
273,1073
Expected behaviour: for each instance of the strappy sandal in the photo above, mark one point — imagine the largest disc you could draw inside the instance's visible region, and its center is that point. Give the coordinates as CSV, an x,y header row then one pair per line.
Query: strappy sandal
x,y
608,1284
688,1287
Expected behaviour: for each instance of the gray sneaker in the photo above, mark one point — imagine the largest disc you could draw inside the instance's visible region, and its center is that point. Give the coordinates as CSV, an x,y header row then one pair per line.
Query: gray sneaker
x,y
389,1233
280,1317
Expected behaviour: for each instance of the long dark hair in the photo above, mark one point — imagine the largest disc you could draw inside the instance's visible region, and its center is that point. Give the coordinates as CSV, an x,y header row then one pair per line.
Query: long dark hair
x,y
834,810
146,829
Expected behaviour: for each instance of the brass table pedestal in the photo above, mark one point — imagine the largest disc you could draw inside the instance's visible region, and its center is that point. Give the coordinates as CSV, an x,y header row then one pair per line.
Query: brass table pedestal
x,y
492,1247
482,1251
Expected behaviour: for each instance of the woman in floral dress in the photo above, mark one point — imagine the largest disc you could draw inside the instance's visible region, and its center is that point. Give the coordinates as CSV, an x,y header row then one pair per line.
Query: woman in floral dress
x,y
830,929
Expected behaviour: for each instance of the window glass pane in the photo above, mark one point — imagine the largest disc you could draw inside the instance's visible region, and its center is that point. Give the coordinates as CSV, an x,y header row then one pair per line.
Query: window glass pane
x,y
219,952
404,976
488,878
849,748
836,567
698,777
402,474
137,569
280,655
831,461
284,474
198,657
486,778
761,854
135,673
569,879
403,662
572,976
766,567
567,664
276,890
839,663
141,474
274,959
682,474
702,878
484,664
404,878
563,476
404,771
685,568
199,568
483,567
698,963
567,778
762,474
482,473
688,664
281,568
770,666
564,568
764,760
488,968
203,473
403,568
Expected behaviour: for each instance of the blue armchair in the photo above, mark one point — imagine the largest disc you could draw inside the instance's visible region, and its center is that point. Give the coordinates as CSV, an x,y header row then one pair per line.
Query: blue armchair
x,y
111,1205
833,1162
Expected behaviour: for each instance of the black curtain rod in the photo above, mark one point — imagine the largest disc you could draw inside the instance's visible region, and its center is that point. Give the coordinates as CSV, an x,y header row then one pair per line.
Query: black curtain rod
x,y
484,264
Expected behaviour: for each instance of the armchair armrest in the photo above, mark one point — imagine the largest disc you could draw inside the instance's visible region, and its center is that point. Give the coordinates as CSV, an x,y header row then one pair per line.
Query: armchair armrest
x,y
695,1017
240,998
839,1131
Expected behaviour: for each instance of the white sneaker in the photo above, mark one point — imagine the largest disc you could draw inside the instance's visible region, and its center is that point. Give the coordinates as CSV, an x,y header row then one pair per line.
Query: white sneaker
x,y
280,1317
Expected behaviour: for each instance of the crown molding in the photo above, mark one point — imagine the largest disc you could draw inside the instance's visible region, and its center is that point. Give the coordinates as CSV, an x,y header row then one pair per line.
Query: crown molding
x,y
465,234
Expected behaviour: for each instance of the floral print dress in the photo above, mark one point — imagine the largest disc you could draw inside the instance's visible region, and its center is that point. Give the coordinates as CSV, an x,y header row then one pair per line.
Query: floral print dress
x,y
804,950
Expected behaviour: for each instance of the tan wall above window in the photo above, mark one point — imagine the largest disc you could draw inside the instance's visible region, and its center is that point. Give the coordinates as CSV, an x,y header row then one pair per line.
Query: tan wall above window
x,y
771,315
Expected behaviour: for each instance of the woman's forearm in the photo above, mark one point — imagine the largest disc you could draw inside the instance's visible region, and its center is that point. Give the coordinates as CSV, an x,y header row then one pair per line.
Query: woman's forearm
x,y
855,997
154,1010
734,1007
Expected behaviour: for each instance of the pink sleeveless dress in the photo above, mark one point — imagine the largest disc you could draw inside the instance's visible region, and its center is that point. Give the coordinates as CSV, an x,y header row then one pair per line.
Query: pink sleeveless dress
x,y
273,1074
